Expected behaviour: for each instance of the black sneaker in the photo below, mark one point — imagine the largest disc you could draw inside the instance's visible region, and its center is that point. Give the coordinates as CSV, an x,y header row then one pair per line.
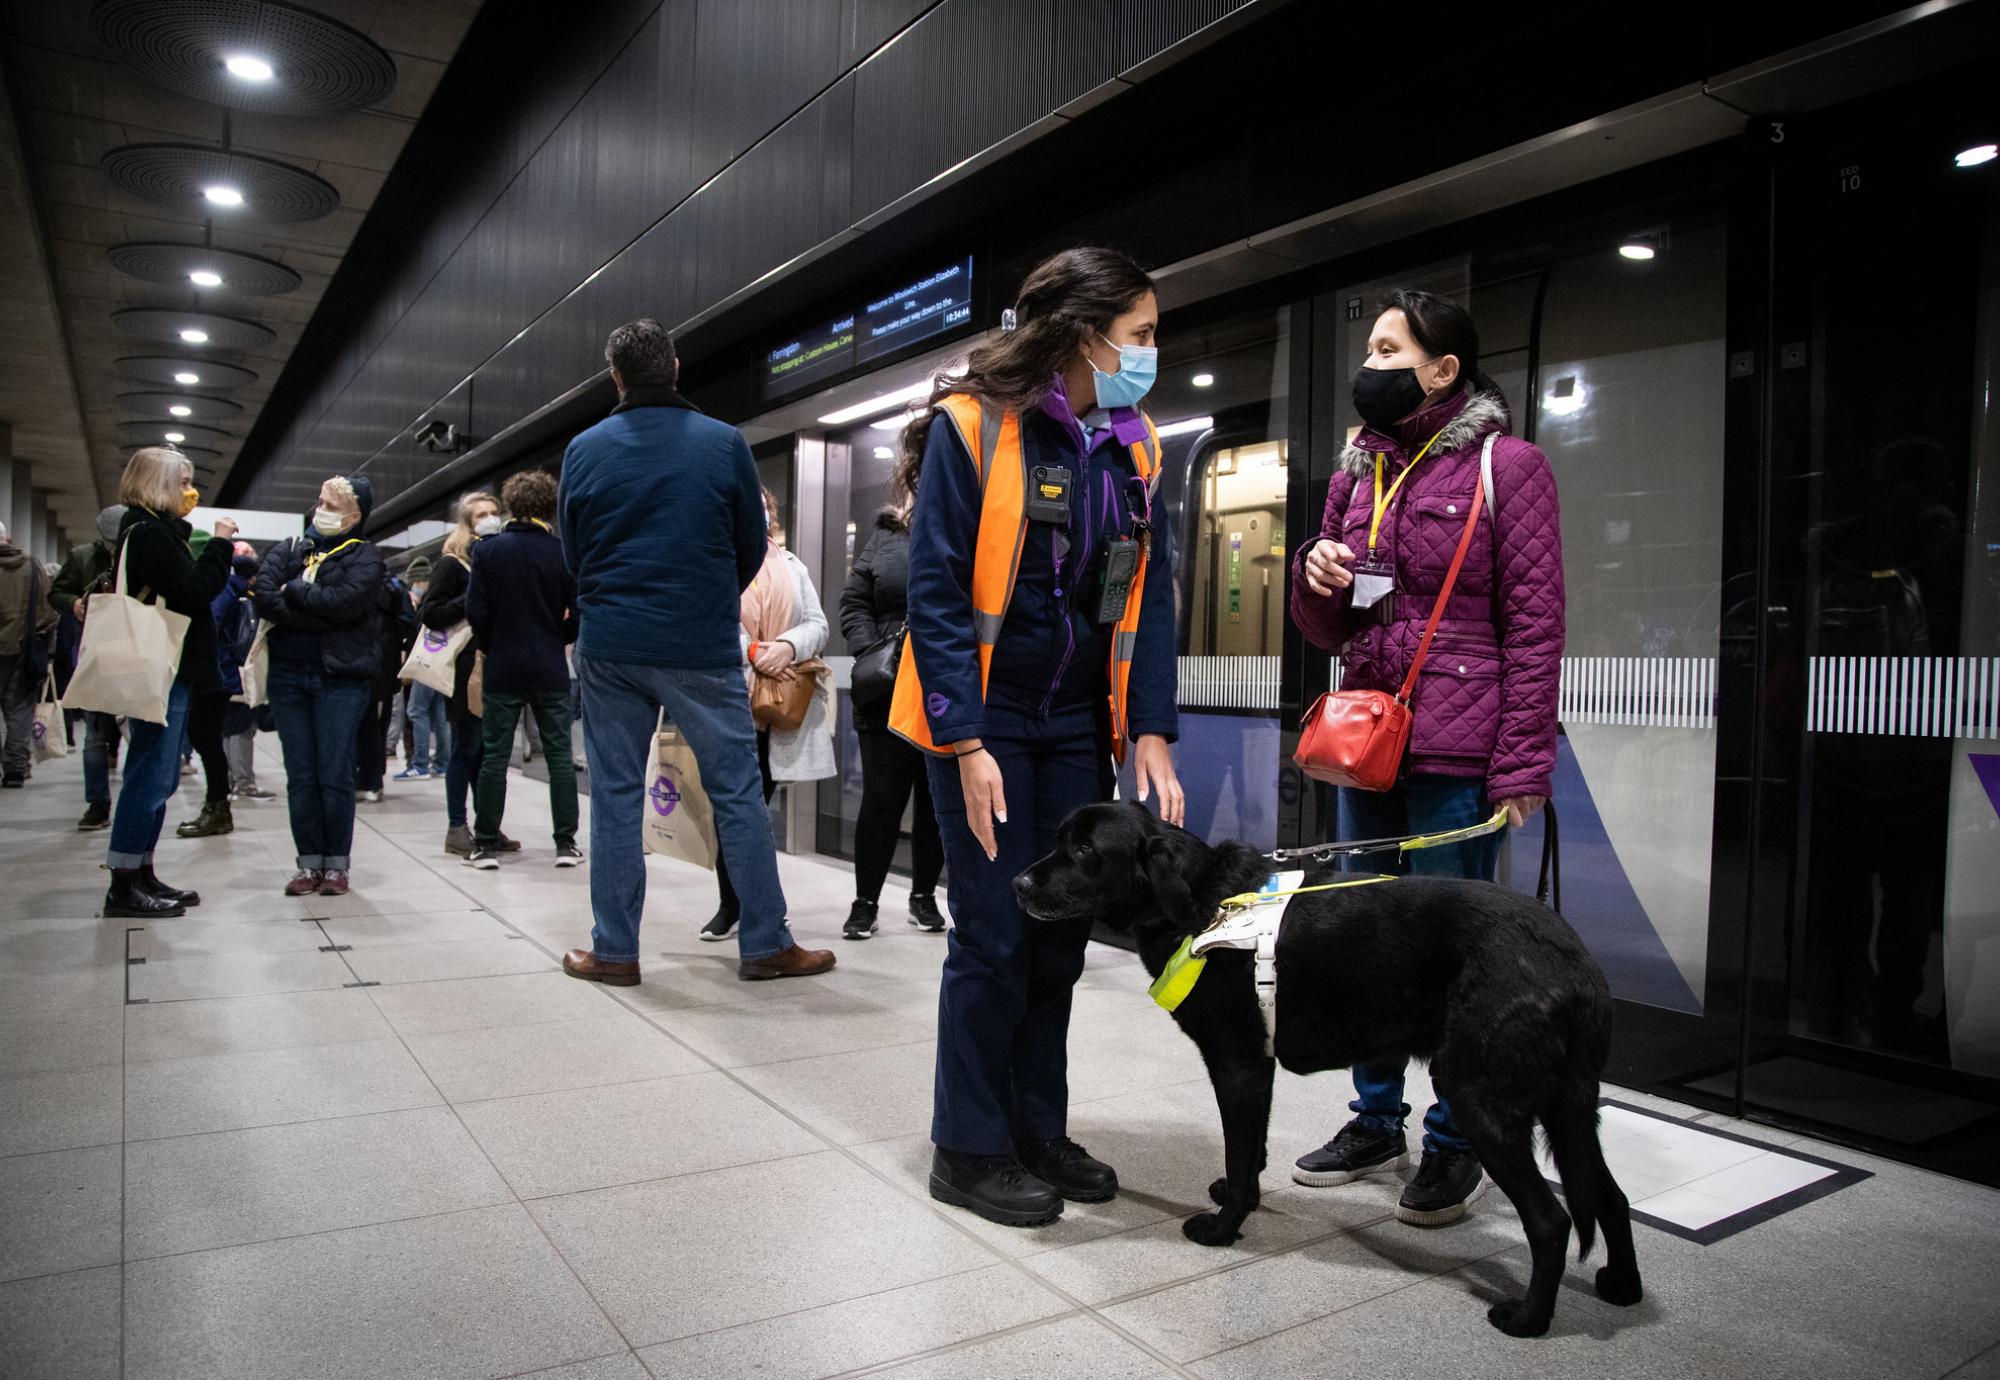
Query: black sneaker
x,y
1446,1181
924,913
569,855
719,927
997,1187
1069,1169
94,817
13,782
485,857
1359,1150
860,920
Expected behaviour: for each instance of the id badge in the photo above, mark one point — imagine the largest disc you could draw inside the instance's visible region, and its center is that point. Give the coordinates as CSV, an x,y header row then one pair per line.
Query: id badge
x,y
1371,582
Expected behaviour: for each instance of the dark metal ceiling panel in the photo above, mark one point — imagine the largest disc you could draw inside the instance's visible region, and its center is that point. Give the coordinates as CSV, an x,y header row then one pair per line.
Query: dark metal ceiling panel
x,y
183,175
173,265
222,332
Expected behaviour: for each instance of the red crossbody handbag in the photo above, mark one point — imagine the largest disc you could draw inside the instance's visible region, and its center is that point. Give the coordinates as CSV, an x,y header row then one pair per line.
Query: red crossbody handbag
x,y
1358,737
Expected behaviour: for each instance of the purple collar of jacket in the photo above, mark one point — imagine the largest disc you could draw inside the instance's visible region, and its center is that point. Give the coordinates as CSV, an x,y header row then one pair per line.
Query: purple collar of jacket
x,y
1458,421
1125,422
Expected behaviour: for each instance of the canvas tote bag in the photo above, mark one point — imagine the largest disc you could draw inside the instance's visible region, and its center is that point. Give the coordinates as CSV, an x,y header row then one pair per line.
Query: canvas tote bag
x,y
130,655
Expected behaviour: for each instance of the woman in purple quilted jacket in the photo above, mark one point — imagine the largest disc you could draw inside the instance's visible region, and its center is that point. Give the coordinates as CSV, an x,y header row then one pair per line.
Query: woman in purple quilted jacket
x,y
1484,731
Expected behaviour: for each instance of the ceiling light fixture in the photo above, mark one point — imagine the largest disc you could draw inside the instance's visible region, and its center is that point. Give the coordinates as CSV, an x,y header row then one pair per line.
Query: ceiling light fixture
x,y
884,453
1203,380
1181,428
203,277
185,377
177,436
223,196
180,410
1977,154
248,68
194,337
888,402
1636,251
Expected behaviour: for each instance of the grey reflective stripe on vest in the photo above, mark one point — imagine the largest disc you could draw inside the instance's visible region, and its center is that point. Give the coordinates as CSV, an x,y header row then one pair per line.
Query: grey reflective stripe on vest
x,y
986,626
1122,644
989,437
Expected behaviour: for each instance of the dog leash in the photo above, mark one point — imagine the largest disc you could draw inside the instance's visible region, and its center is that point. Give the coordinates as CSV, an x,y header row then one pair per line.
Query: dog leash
x,y
1402,843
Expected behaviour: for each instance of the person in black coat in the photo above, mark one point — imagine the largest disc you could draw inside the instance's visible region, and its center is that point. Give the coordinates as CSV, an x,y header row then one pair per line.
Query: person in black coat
x,y
321,594
521,602
158,489
442,610
396,627
872,607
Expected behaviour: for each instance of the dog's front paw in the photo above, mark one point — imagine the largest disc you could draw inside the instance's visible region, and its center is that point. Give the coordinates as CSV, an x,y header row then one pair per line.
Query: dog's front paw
x,y
1209,1229
1513,1318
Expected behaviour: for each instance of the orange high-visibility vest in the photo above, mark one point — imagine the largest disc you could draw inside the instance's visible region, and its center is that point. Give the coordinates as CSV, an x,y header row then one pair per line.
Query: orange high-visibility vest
x,y
993,441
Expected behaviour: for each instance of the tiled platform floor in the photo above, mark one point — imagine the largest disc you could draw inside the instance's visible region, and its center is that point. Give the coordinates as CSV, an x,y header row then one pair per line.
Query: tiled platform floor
x,y
479,1167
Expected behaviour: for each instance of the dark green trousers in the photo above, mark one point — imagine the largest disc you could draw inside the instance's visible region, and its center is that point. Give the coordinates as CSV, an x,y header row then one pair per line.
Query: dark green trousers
x,y
489,794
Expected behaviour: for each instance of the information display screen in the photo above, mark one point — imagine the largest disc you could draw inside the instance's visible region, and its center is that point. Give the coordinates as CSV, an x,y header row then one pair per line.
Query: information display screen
x,y
938,302
934,304
818,354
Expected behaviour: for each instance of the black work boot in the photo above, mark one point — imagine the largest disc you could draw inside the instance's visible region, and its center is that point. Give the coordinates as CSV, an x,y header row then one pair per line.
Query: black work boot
x,y
129,900
1359,1150
994,1186
165,892
1069,1169
213,819
1446,1181
860,920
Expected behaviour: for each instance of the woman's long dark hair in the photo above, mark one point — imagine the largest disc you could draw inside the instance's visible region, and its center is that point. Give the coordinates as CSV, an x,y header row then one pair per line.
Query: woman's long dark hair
x,y
1063,301
1442,327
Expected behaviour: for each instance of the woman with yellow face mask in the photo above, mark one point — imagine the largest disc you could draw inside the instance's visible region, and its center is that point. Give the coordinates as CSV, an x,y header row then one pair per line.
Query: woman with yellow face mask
x,y
158,489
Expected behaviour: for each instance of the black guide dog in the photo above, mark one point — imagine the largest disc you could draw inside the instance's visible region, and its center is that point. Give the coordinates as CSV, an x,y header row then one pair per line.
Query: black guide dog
x,y
1491,987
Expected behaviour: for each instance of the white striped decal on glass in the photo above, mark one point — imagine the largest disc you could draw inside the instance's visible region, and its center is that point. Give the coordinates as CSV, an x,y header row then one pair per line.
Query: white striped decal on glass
x,y
1905,696
1638,691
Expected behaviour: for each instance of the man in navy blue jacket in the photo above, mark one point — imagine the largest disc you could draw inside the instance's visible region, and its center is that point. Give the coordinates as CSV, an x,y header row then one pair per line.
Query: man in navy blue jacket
x,y
662,522
521,603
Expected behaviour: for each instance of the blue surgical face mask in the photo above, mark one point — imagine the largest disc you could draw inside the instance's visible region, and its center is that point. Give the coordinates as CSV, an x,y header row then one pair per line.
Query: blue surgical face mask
x,y
1138,366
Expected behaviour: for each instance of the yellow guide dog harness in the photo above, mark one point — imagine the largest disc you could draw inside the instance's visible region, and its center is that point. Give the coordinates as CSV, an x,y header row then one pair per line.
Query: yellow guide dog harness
x,y
1252,919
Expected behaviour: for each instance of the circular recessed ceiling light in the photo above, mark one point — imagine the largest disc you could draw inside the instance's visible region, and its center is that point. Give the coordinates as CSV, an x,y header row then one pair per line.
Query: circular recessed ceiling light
x,y
187,377
177,436
248,68
1203,380
203,277
223,196
180,411
194,337
884,453
1638,253
1977,154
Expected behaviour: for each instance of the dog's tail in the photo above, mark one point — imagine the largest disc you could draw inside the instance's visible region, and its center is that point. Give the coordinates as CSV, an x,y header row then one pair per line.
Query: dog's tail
x,y
1571,1121
1572,1133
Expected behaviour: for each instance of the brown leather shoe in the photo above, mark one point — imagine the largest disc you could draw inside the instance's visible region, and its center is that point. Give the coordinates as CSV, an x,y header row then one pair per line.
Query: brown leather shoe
x,y
304,884
334,883
792,962
582,963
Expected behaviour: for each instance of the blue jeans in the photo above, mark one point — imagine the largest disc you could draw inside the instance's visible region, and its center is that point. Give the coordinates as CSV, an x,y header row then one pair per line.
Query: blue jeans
x,y
1004,1002
621,706
1417,805
152,775
100,731
461,768
318,718
430,728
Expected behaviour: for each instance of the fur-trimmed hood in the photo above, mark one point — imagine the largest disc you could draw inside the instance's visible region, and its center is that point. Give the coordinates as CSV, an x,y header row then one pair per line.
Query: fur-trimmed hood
x,y
1482,413
890,519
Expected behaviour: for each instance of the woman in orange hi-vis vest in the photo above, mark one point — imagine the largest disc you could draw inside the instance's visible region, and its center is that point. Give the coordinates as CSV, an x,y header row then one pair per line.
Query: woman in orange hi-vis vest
x,y
1041,647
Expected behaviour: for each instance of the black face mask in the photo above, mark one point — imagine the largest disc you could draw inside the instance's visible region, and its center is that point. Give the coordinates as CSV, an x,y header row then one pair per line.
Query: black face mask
x,y
1384,397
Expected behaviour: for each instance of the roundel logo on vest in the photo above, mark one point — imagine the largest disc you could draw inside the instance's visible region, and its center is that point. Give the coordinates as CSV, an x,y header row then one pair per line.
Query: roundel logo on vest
x,y
937,704
664,796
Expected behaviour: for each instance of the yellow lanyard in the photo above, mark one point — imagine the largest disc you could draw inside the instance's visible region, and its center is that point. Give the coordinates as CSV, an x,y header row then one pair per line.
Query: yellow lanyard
x,y
1382,503
314,559
543,525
